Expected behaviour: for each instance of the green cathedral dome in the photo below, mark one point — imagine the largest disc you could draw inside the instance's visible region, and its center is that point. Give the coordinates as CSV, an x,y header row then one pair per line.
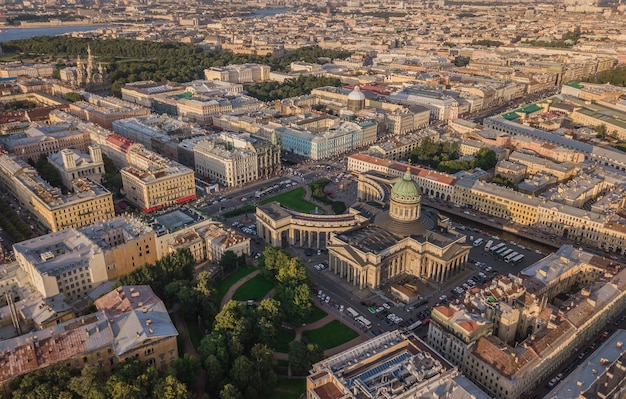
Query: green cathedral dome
x,y
405,189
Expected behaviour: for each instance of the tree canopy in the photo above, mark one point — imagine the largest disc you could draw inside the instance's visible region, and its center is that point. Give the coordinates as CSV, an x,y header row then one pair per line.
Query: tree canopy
x,y
131,60
444,156
267,91
132,379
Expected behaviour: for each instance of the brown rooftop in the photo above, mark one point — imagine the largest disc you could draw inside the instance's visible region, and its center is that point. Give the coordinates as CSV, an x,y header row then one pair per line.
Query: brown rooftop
x,y
328,391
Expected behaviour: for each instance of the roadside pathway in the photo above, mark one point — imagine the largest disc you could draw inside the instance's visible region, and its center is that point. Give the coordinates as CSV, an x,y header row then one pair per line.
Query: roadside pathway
x,y
189,348
320,323
231,291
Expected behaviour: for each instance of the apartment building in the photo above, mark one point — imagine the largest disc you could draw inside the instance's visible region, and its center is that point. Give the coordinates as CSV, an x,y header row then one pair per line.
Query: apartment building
x,y
15,69
65,262
125,242
327,143
152,182
104,110
208,241
601,374
159,133
232,159
143,92
399,148
512,171
402,365
131,322
73,164
41,138
184,227
242,73
603,156
533,331
431,183
442,107
534,164
497,201
87,203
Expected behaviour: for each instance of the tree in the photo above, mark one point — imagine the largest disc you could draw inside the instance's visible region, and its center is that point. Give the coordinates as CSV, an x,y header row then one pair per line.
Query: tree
x,y
74,97
242,371
90,383
48,172
302,357
185,369
171,388
230,392
600,130
264,377
229,261
269,315
49,383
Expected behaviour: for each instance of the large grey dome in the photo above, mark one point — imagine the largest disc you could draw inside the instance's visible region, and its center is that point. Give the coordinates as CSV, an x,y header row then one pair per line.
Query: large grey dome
x,y
356,94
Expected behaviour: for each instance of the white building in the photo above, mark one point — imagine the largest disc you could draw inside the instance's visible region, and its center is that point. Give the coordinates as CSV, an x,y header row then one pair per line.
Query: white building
x,y
243,73
73,164
65,262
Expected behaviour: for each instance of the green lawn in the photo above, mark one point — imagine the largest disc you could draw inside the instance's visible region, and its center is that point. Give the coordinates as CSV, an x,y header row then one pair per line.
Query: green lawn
x,y
330,335
228,281
283,338
240,211
289,388
316,314
256,288
293,199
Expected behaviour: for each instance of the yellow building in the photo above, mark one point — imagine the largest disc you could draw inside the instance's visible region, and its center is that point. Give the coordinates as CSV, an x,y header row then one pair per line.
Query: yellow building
x,y
131,322
497,201
152,182
125,242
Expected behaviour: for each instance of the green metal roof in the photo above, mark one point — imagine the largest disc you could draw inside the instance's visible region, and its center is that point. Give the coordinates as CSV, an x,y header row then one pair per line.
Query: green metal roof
x,y
186,94
574,84
529,109
509,116
406,187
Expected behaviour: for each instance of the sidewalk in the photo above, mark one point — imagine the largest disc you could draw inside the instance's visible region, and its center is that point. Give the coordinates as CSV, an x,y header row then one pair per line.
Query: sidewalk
x,y
231,291
320,323
189,348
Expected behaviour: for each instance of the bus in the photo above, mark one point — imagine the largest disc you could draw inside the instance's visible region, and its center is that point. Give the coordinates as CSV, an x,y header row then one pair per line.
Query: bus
x,y
517,259
488,245
366,323
504,254
510,256
501,250
352,313
496,247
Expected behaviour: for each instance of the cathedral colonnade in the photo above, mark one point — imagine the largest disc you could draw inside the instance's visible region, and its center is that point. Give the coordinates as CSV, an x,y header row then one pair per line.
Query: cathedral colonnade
x,y
406,262
314,236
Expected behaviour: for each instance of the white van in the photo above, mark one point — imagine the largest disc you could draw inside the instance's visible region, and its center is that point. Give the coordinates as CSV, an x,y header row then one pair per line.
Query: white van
x,y
352,313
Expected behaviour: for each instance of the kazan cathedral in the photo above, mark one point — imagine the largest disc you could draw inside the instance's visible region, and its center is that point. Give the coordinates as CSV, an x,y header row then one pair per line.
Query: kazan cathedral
x,y
398,236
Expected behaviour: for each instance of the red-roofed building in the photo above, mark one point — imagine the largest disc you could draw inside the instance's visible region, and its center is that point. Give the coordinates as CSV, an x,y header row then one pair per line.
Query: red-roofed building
x,y
432,183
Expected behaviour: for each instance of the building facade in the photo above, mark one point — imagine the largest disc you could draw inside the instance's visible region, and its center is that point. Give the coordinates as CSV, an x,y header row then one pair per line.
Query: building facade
x,y
131,322
152,182
73,164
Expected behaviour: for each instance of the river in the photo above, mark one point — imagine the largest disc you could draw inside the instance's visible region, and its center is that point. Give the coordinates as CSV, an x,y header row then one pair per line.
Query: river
x,y
7,34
